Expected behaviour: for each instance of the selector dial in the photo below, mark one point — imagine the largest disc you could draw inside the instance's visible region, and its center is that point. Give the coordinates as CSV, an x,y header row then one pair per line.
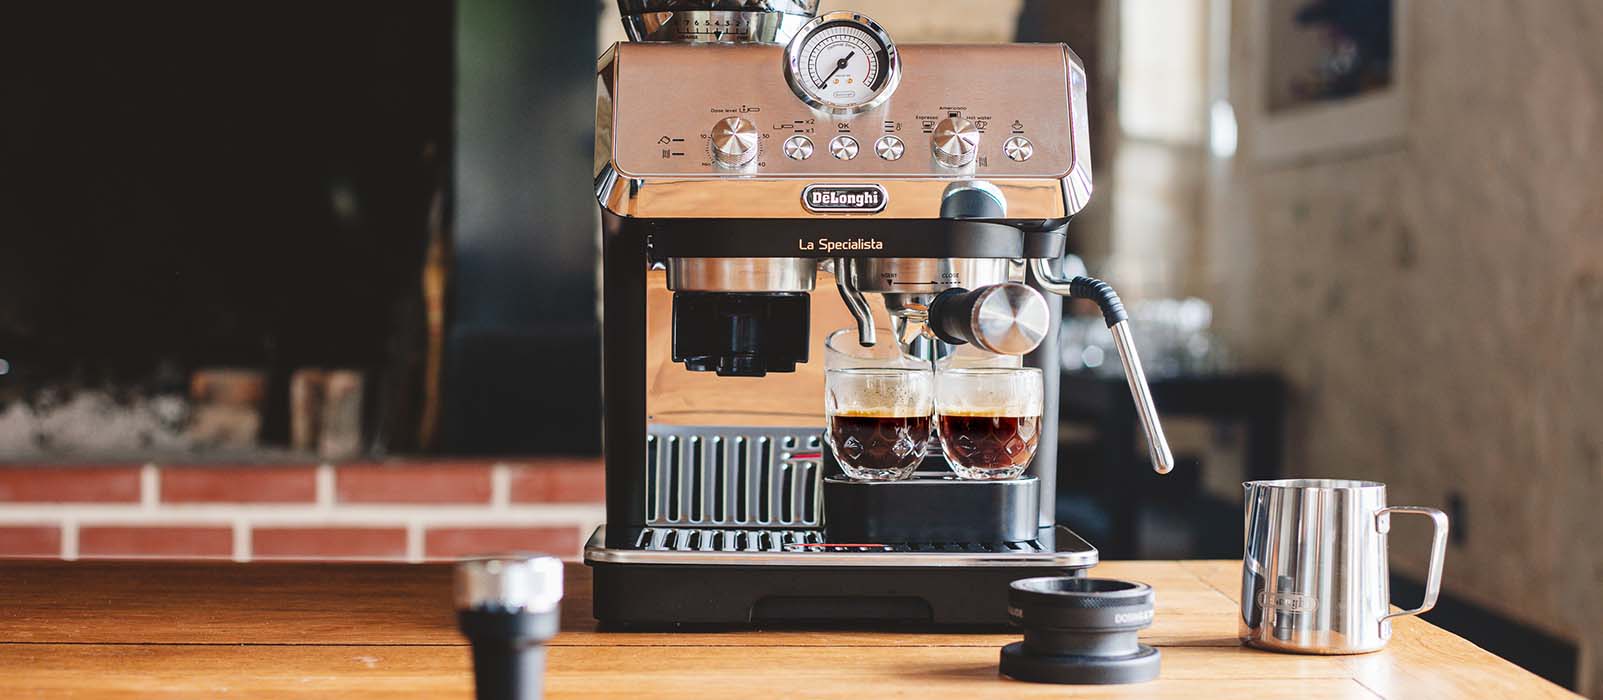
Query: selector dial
x,y
955,142
733,141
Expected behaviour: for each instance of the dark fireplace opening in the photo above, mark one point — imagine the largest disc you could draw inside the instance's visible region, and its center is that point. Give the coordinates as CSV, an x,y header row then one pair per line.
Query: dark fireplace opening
x,y
215,228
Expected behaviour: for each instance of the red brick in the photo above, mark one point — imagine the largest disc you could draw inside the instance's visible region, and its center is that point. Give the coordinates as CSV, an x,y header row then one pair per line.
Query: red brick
x,y
239,484
155,541
413,483
576,480
96,484
328,542
451,542
30,541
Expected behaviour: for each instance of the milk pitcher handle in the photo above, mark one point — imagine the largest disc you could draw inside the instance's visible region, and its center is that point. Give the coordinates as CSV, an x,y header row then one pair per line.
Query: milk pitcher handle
x,y
1438,550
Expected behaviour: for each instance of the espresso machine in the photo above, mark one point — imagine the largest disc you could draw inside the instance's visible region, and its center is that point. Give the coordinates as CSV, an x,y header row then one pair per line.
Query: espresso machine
x,y
767,175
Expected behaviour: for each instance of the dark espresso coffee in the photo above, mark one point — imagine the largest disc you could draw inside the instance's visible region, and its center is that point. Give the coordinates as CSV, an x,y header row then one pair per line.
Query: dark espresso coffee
x,y
878,447
989,447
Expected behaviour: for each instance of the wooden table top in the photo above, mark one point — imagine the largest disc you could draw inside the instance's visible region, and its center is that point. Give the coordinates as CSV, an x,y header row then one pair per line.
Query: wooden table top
x,y
209,630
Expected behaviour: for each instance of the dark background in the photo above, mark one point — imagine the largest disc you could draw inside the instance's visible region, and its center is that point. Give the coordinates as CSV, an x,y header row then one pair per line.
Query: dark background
x,y
188,185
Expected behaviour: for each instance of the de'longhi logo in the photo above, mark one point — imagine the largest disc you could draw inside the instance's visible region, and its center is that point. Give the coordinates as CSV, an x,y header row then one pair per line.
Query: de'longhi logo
x,y
861,199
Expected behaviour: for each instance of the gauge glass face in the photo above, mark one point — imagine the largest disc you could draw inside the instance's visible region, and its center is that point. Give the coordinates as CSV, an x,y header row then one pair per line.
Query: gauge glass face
x,y
843,65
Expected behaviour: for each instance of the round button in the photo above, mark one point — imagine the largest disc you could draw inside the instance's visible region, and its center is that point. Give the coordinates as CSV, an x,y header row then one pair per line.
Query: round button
x,y
734,141
843,147
955,142
798,148
1018,149
889,147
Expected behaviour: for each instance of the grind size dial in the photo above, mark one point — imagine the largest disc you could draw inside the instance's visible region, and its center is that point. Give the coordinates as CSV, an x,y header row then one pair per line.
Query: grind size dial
x,y
842,63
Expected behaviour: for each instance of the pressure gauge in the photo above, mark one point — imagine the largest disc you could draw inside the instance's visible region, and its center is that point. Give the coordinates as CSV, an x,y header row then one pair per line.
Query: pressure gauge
x,y
842,63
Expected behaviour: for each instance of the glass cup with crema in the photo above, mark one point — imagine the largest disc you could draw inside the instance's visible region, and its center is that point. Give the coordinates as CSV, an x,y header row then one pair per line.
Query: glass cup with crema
x,y
988,419
879,419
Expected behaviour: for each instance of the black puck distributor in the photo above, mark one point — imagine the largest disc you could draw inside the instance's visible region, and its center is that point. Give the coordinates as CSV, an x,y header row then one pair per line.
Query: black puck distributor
x,y
1080,631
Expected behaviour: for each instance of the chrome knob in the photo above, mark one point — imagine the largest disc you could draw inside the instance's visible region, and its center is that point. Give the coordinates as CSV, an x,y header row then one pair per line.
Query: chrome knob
x,y
798,148
514,582
843,147
1018,149
955,142
889,148
734,141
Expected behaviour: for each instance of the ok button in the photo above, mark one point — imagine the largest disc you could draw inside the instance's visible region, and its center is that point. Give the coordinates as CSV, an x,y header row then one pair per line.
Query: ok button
x,y
843,147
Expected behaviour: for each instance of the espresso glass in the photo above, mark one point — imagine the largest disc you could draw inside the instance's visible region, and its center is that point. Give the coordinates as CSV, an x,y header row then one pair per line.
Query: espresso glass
x,y
988,419
879,420
841,350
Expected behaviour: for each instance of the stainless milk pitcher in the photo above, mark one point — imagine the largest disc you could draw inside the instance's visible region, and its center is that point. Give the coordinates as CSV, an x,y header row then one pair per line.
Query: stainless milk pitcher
x,y
1314,577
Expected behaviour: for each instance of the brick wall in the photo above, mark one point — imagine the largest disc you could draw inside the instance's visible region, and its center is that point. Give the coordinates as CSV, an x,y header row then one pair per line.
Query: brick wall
x,y
389,511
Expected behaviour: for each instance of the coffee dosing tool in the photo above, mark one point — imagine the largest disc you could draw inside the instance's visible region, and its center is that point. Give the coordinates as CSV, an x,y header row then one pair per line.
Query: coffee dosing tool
x,y
507,608
1080,631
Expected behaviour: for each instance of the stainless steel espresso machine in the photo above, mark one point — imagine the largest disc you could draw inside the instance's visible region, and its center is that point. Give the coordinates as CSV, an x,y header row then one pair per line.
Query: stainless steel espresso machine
x,y
767,176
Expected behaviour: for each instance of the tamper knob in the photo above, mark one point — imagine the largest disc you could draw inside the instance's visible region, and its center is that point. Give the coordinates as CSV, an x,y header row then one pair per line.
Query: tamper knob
x,y
1007,318
507,608
955,142
734,141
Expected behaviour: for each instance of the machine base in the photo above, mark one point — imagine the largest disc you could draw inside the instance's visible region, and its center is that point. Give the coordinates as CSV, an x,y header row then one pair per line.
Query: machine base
x,y
804,588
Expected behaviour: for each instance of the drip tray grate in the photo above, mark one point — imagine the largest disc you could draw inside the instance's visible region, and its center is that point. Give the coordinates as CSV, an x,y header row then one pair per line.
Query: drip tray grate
x,y
658,539
662,539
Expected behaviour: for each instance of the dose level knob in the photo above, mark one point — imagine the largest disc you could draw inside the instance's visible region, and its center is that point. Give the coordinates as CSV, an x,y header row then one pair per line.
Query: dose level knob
x,y
734,141
955,142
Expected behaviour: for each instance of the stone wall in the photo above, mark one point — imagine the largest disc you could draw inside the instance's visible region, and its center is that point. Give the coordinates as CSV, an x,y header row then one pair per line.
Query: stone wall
x,y
1438,305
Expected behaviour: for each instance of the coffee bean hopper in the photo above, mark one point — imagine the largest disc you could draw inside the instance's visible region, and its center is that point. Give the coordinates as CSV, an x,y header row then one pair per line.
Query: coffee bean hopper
x,y
767,175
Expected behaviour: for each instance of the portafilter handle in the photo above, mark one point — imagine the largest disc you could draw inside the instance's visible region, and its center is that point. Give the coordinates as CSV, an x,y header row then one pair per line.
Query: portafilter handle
x,y
1118,324
1006,319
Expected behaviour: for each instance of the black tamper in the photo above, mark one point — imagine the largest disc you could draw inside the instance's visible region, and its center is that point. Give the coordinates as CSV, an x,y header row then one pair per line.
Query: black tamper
x,y
1080,631
507,608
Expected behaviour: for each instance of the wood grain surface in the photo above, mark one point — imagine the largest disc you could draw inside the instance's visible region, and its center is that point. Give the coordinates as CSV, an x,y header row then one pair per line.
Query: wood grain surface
x,y
180,630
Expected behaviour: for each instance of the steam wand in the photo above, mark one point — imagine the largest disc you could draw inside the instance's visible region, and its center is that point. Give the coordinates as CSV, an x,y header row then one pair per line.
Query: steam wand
x,y
1118,324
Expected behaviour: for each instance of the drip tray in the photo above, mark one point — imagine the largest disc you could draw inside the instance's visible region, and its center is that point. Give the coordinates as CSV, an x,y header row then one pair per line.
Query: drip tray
x,y
808,547
671,578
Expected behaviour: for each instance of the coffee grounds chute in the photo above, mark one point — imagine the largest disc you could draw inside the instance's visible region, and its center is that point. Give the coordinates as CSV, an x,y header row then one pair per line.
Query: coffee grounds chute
x,y
755,197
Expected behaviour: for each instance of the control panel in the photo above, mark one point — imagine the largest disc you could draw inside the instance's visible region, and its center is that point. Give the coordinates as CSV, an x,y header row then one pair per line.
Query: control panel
x,y
943,111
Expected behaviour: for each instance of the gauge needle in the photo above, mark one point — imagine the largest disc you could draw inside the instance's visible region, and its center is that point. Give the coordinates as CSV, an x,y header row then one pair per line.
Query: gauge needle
x,y
839,66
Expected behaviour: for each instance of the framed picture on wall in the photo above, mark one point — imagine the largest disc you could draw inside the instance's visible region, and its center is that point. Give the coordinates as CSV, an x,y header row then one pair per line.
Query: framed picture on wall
x,y
1330,77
